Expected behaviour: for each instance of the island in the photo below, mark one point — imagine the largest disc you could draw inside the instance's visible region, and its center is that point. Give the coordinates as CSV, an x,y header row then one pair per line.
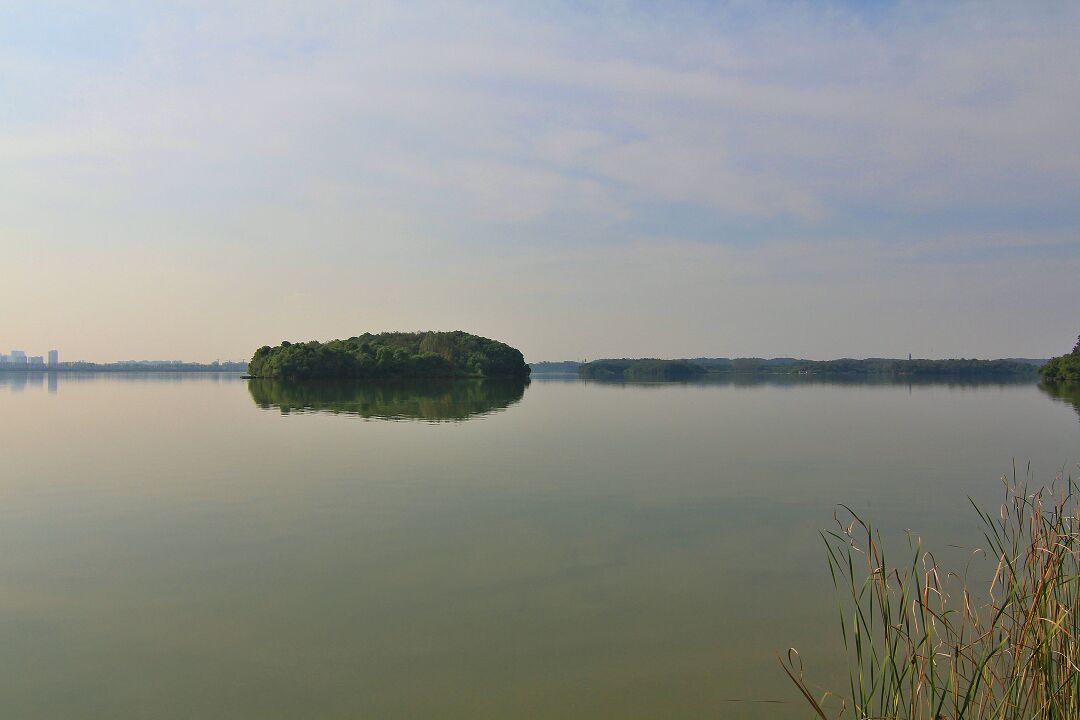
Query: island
x,y
1064,369
391,355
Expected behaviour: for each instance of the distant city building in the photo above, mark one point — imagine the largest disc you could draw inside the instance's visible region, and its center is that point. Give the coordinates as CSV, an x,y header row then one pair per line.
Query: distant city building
x,y
37,361
54,358
17,357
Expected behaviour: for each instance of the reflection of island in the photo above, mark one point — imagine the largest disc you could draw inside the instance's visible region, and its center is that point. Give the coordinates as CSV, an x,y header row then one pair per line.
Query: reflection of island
x,y
433,400
1068,394
751,380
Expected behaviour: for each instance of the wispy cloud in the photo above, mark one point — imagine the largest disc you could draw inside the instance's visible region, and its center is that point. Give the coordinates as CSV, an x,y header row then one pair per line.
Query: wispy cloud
x,y
802,143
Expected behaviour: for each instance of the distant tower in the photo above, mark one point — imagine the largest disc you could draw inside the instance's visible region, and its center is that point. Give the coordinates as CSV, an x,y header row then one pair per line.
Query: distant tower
x,y
54,358
18,357
909,356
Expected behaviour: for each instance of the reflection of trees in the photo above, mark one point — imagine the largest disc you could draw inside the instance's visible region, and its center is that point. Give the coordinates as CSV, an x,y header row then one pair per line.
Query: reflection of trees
x,y
1068,394
429,399
797,380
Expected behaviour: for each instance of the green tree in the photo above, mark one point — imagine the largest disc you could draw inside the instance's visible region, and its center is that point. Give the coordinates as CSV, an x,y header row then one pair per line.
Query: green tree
x,y
394,354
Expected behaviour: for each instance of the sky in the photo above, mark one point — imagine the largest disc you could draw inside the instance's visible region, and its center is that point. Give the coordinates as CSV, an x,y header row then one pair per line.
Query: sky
x,y
577,179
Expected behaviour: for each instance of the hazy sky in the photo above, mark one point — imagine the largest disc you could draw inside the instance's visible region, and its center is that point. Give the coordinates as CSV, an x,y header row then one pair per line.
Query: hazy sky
x,y
194,180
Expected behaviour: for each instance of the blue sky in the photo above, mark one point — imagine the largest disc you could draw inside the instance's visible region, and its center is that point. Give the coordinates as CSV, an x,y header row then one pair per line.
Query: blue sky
x,y
197,179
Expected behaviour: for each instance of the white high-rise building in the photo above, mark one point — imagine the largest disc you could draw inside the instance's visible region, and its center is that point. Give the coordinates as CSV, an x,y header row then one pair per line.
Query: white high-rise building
x,y
54,358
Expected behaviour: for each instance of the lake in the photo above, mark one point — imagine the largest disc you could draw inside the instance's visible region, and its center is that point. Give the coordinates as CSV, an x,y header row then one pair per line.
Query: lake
x,y
201,546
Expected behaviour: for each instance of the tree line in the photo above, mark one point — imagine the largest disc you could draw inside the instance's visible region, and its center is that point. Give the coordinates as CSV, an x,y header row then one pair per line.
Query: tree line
x,y
654,369
1064,369
391,355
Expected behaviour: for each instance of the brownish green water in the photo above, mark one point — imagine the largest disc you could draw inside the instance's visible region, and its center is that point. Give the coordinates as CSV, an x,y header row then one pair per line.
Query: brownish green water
x,y
184,547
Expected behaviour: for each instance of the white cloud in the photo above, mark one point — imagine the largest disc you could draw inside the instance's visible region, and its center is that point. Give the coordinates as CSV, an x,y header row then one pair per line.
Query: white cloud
x,y
427,139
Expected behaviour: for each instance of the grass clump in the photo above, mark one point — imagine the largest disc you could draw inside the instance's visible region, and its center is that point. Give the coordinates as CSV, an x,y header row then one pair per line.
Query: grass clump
x,y
926,643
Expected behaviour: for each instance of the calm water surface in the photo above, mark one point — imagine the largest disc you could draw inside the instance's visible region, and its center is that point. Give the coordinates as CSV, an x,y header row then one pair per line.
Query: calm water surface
x,y
192,547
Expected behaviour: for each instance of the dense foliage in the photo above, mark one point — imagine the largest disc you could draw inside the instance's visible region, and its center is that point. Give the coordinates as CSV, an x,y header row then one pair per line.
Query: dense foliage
x,y
561,366
391,355
648,369
924,368
1065,369
431,399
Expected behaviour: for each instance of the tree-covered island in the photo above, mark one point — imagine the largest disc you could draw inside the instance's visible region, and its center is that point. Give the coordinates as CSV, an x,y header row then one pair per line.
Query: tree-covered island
x,y
391,355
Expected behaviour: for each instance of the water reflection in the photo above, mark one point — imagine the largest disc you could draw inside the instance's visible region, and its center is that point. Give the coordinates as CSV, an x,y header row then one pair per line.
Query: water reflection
x,y
1068,394
17,381
796,380
431,400
598,551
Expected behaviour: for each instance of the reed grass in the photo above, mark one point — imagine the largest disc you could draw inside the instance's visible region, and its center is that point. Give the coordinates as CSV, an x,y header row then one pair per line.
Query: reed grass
x,y
923,642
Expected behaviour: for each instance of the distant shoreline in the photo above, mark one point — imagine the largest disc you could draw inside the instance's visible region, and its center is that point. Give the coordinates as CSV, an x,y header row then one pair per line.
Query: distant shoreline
x,y
693,368
236,368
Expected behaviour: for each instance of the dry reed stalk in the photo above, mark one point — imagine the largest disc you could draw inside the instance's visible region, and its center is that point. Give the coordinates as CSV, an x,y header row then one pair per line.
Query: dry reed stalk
x,y
922,643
